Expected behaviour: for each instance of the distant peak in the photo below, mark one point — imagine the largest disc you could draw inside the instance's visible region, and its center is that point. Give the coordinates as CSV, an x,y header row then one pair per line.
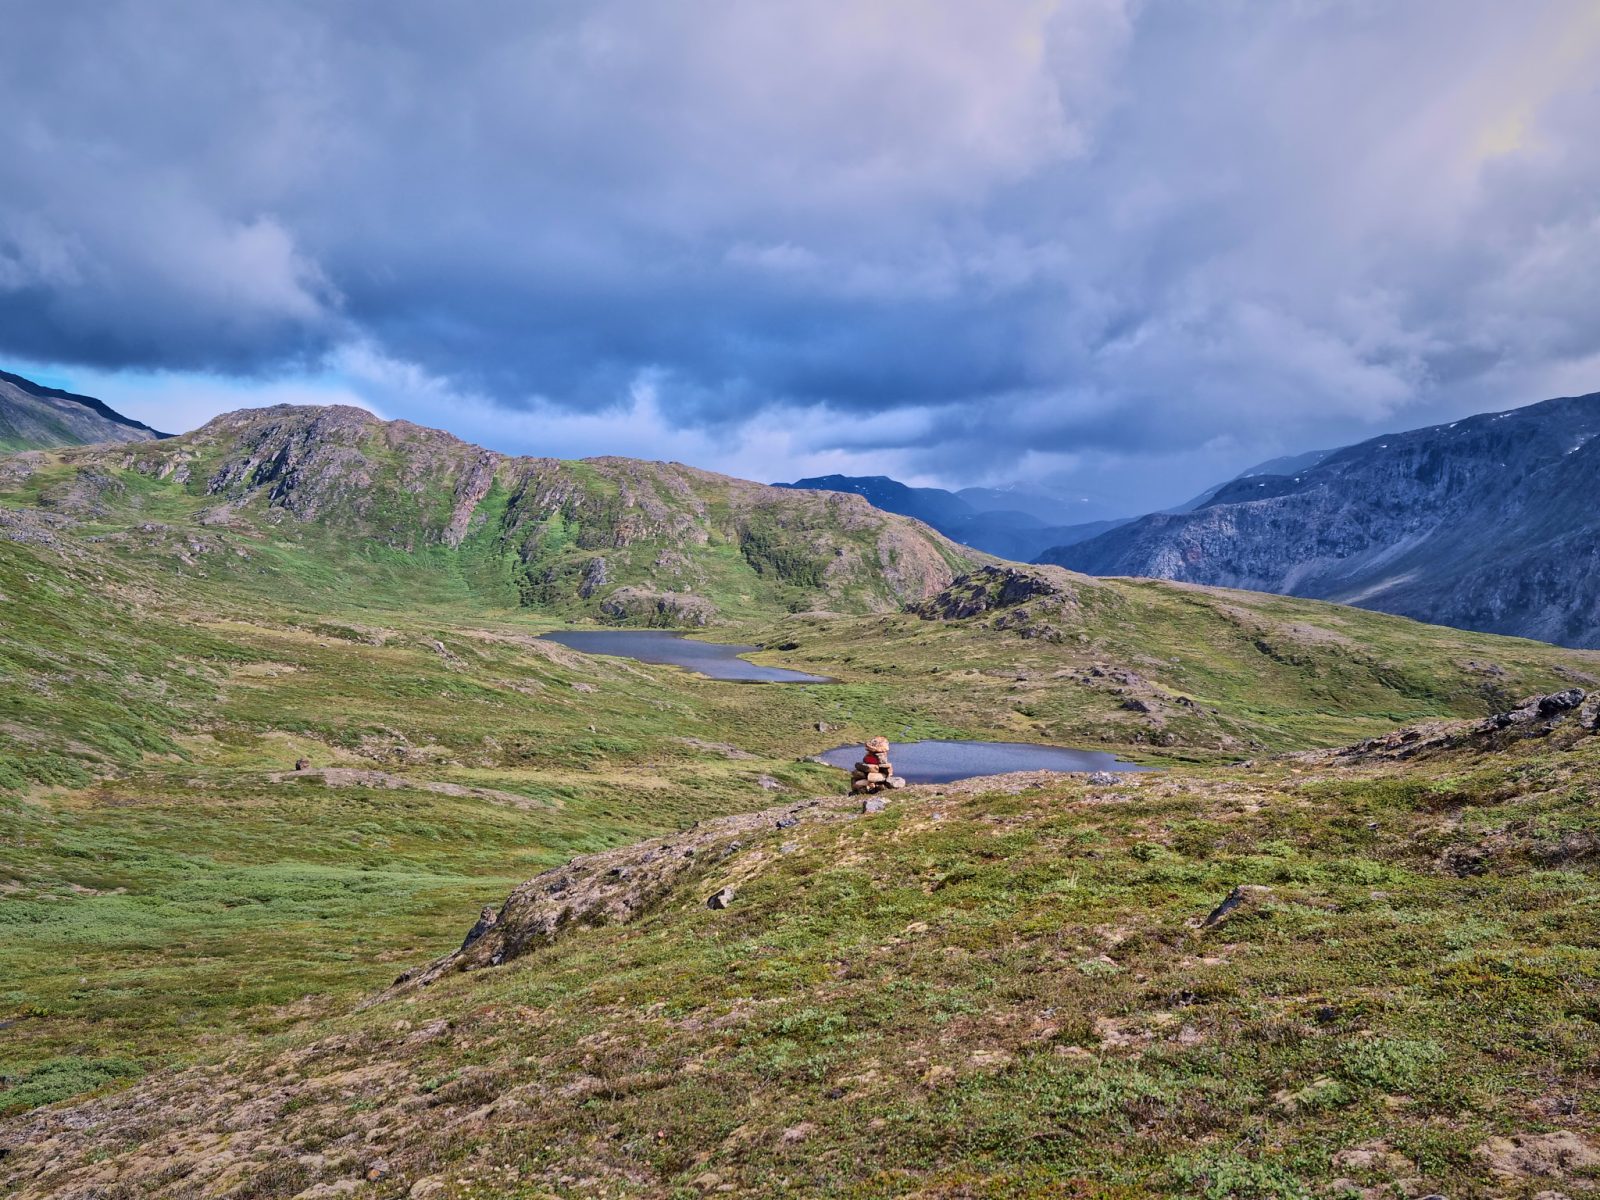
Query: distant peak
x,y
98,407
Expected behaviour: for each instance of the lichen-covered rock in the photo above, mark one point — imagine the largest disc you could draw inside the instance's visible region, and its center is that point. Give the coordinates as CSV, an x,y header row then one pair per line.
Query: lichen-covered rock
x,y
671,609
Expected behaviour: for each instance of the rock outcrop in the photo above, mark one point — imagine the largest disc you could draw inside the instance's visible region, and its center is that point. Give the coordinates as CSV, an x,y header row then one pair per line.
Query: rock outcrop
x,y
1033,602
615,886
1571,714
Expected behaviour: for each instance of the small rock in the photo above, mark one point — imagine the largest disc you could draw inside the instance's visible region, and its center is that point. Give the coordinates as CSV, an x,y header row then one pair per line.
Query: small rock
x,y
873,804
302,764
1103,778
788,848
720,899
788,822
1247,897
768,783
796,1134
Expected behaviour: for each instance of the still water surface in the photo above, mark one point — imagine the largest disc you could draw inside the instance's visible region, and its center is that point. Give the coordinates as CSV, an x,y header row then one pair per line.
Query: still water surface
x,y
945,762
719,660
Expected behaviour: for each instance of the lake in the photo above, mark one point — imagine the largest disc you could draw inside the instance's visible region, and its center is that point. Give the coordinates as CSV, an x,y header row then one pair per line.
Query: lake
x,y
945,762
718,660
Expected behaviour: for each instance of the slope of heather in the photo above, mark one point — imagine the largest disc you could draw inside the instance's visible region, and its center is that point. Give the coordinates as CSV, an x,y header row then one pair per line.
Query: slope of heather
x,y
1482,524
1026,986
34,417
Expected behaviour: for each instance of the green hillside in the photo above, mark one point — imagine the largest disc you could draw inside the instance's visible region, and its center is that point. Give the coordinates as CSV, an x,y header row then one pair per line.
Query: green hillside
x,y
184,621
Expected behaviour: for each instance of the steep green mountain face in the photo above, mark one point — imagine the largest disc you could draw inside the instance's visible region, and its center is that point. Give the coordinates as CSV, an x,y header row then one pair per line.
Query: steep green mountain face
x,y
275,723
33,417
1467,524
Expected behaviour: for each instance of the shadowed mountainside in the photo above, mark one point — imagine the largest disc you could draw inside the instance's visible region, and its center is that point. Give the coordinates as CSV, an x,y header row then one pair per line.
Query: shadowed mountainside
x,y
1482,524
33,417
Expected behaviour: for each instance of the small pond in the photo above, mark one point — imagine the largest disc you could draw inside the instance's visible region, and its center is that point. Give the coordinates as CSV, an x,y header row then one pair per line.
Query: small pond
x,y
945,762
719,660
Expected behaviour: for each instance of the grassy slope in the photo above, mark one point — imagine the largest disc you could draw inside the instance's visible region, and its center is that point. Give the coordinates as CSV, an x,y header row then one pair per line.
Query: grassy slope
x,y
981,994
162,897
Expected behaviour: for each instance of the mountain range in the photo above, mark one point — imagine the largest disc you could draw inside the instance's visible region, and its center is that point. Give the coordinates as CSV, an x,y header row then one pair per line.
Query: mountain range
x,y
1476,523
1012,523
1485,523
34,417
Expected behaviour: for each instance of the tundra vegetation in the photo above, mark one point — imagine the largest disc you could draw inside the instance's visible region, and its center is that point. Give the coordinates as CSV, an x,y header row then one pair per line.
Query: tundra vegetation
x,y
996,988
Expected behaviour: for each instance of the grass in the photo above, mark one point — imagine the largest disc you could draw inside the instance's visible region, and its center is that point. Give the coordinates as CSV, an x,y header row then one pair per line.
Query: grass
x,y
993,993
977,994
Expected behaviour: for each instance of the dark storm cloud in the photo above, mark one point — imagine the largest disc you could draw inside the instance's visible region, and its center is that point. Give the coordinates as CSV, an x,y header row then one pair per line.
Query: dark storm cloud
x,y
1021,229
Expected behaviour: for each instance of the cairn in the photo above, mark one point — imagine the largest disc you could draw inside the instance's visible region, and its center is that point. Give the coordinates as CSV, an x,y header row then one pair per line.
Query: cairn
x,y
875,772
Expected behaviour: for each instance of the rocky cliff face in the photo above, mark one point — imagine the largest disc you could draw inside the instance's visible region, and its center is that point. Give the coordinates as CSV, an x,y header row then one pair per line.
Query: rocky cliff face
x,y
33,417
1485,523
646,542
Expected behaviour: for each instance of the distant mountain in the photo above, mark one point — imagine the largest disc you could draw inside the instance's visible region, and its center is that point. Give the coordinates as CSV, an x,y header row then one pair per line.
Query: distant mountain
x,y
931,505
34,417
967,516
1046,505
1487,523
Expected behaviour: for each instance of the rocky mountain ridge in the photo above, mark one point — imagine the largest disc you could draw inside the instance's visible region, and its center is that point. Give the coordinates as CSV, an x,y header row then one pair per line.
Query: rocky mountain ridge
x,y
1476,524
657,543
35,417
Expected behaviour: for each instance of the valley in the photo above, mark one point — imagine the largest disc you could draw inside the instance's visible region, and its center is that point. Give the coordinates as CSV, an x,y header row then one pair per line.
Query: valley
x,y
272,739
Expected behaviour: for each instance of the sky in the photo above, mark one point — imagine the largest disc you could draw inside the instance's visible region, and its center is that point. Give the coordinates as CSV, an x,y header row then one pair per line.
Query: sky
x,y
1125,248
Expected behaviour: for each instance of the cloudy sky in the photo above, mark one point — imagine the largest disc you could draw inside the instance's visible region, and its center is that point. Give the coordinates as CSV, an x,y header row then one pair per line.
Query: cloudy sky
x,y
1130,246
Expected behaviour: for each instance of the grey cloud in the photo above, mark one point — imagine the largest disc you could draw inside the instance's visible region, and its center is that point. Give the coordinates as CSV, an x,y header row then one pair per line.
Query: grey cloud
x,y
1096,228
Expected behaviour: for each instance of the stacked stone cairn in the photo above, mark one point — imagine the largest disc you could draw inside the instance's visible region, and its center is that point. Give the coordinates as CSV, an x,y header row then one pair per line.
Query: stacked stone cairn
x,y
874,777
